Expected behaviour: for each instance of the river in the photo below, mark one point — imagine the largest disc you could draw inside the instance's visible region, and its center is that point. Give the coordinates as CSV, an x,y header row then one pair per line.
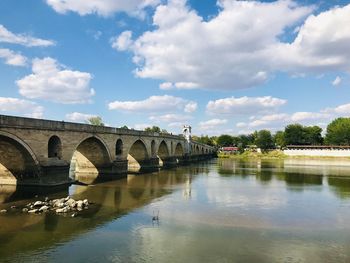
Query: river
x,y
222,210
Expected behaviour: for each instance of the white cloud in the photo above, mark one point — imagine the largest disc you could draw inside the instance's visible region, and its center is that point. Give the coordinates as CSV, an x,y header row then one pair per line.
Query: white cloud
x,y
141,126
321,44
232,50
191,107
341,110
12,58
163,103
123,41
229,51
79,117
170,118
244,105
302,116
336,81
23,39
19,106
51,81
212,124
101,7
166,86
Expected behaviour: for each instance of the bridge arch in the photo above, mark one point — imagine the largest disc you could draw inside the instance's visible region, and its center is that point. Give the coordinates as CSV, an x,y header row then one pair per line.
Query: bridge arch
x,y
90,158
17,160
179,151
163,152
197,149
54,147
137,156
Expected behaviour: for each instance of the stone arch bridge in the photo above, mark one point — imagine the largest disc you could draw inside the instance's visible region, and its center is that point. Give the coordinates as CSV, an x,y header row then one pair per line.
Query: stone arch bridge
x,y
44,152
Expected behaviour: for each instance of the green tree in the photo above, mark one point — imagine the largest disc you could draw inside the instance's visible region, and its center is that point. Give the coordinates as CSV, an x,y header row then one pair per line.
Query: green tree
x,y
338,132
124,127
153,129
313,135
264,140
96,120
224,140
294,134
204,139
278,139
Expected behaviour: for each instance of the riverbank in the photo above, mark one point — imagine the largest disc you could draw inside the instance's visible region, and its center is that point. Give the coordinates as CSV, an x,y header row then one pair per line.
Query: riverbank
x,y
276,155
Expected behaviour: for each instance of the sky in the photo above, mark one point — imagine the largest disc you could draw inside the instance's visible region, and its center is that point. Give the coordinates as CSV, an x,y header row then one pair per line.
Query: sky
x,y
221,66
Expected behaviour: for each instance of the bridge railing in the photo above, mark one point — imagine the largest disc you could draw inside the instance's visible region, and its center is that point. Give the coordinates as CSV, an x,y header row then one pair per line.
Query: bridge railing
x,y
41,124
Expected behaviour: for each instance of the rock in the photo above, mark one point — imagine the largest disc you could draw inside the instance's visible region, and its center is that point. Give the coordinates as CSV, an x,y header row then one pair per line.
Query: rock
x,y
39,203
80,204
67,198
62,210
74,214
71,203
43,208
25,210
3,211
13,207
85,202
33,211
46,199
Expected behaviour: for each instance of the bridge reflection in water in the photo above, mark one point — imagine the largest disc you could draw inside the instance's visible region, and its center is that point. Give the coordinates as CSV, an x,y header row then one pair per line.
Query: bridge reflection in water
x,y
111,200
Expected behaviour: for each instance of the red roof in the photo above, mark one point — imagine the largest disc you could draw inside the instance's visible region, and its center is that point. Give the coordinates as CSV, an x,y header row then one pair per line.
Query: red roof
x,y
231,148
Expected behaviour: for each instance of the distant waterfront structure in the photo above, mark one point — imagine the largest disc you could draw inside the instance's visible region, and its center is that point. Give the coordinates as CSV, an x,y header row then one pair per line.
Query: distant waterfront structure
x,y
317,150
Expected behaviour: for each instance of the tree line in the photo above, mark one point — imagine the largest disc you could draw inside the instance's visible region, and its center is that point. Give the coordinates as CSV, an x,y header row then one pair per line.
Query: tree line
x,y
337,133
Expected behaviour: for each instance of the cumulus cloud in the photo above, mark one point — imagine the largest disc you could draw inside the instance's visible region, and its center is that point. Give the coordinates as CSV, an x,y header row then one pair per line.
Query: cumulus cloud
x,y
51,81
279,120
232,50
101,7
163,103
244,105
234,53
336,81
174,118
21,107
79,117
7,36
12,58
211,124
321,44
141,126
122,42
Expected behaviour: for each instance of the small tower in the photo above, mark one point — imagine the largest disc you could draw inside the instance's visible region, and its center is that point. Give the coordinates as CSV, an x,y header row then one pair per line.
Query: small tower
x,y
186,131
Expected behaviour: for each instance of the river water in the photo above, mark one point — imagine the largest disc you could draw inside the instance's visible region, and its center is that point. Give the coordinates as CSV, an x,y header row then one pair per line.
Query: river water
x,y
217,211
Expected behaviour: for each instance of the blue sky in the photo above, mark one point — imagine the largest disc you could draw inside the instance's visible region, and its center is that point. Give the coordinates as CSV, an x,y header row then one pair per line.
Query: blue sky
x,y
221,66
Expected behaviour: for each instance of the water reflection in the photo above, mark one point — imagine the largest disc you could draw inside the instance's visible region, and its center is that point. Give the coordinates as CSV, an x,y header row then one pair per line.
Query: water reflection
x,y
110,200
296,173
224,210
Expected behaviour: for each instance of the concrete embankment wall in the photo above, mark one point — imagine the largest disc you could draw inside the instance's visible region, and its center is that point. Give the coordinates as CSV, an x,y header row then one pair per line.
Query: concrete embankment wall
x,y
318,152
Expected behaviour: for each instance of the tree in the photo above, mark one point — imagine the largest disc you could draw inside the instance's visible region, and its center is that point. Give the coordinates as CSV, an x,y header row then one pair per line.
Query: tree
x,y
338,132
264,140
293,134
279,139
153,129
313,135
124,127
204,139
96,120
224,140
